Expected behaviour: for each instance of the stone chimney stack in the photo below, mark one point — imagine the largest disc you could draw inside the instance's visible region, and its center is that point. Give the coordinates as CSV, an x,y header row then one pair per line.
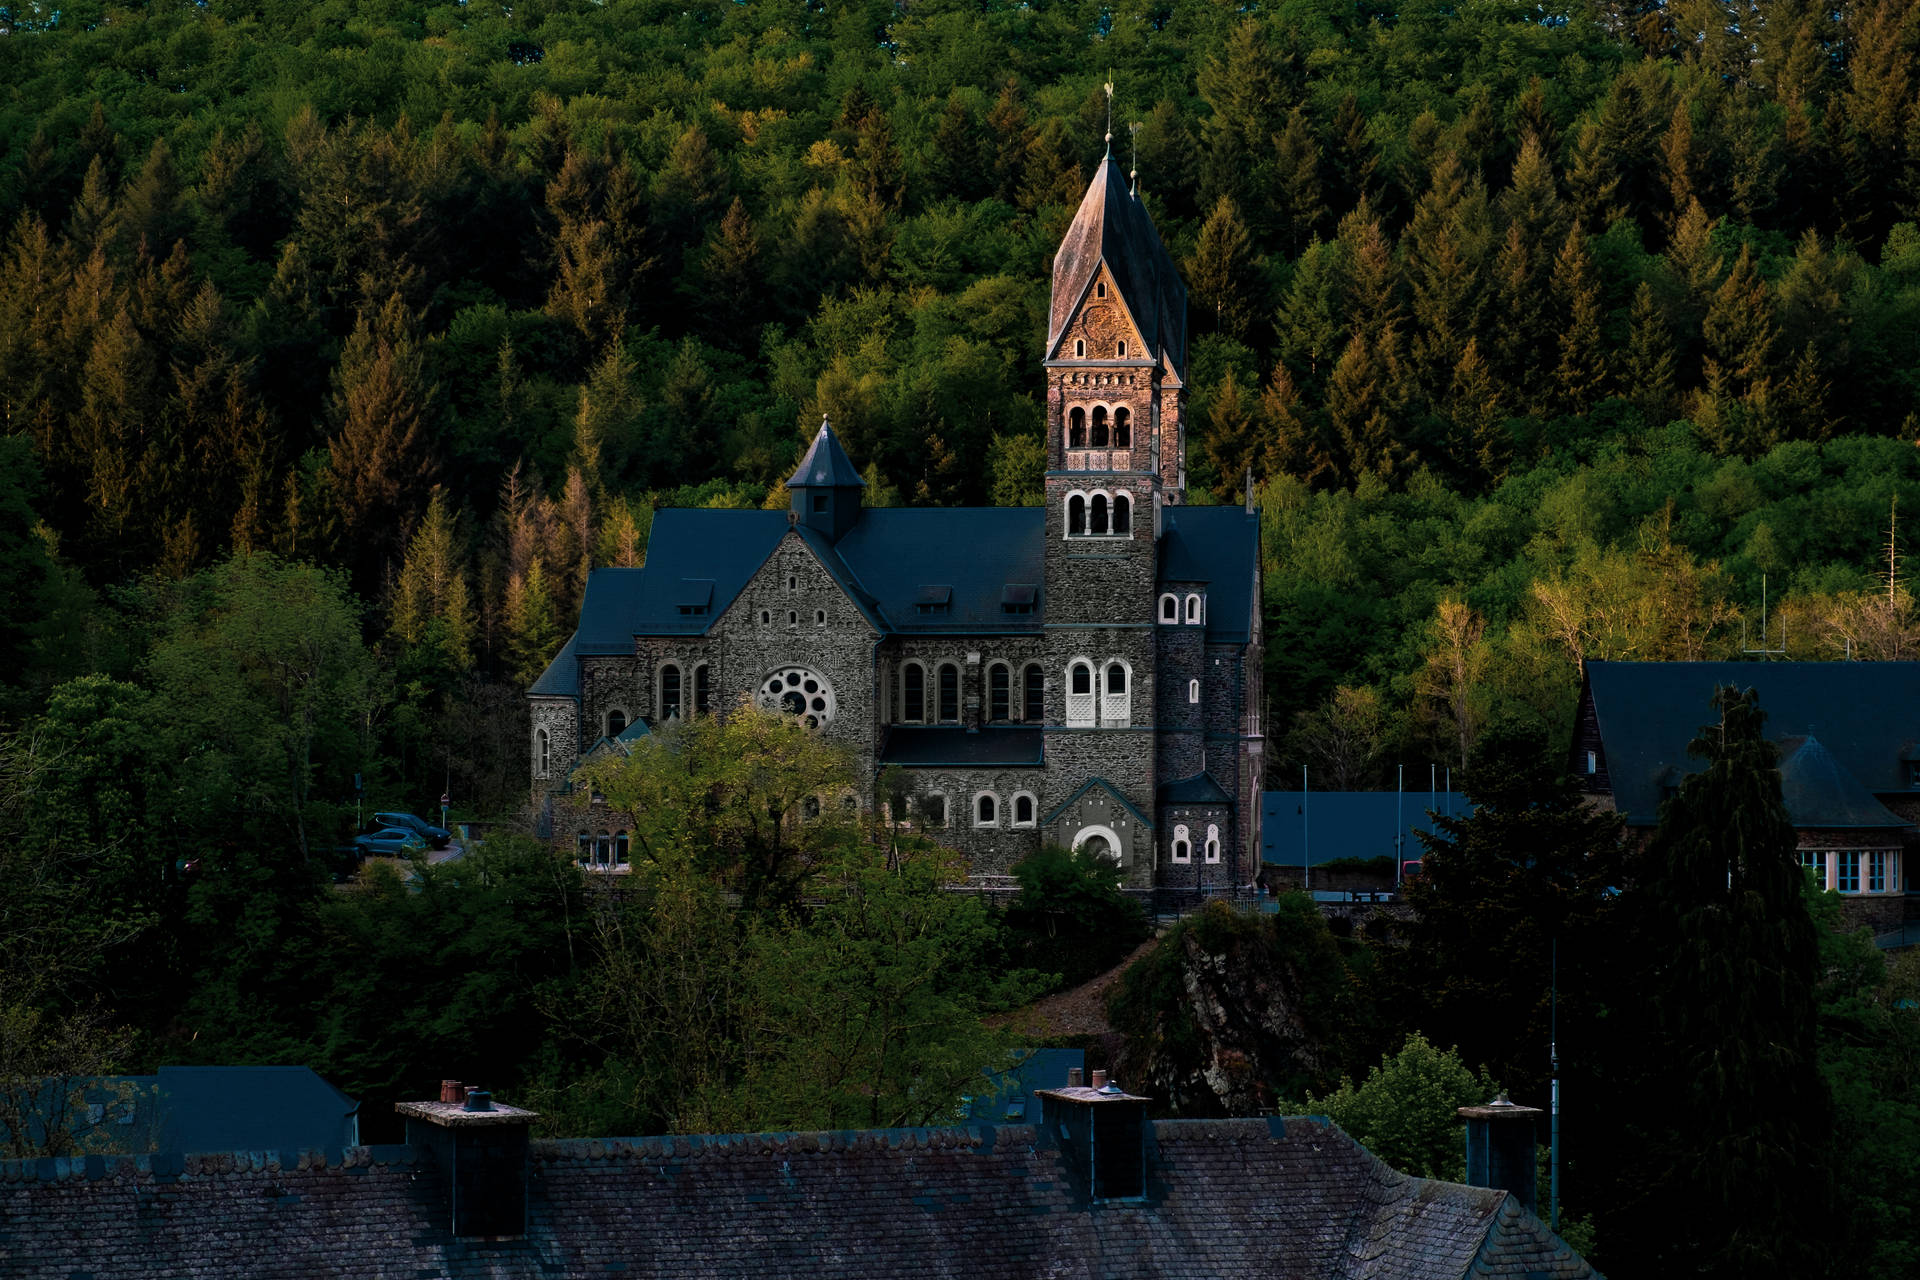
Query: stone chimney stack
x,y
480,1148
1103,1131
1500,1141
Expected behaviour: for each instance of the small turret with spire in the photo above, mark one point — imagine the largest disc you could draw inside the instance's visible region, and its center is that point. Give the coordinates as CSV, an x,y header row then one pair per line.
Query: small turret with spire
x,y
826,486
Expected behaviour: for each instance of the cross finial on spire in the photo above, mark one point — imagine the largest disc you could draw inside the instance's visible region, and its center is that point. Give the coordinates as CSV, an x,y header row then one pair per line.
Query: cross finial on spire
x,y
1109,115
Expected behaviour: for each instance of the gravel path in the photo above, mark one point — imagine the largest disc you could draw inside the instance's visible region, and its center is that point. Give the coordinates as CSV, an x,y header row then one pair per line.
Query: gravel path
x,y
1083,1010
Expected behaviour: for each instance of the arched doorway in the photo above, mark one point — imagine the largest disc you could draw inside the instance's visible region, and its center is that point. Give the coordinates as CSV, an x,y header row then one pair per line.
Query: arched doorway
x,y
1099,842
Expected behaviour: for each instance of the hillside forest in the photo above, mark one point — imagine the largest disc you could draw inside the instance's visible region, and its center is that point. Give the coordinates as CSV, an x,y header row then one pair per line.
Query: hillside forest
x,y
339,342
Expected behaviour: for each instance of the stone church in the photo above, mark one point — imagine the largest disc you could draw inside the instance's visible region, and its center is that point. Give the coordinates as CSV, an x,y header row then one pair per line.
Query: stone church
x,y
1087,673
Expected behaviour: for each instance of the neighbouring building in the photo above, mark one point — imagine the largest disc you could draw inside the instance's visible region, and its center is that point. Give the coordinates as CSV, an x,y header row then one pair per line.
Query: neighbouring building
x,y
183,1109
1849,740
1086,673
1091,1187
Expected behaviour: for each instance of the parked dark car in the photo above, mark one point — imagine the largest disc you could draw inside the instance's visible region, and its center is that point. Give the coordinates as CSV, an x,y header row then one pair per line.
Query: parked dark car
x,y
437,837
389,842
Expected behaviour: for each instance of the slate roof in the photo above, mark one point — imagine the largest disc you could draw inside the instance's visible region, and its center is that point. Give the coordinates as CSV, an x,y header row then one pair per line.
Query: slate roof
x,y
181,1109
1820,793
1218,546
976,551
826,465
1226,1198
1866,714
1201,788
1349,824
952,745
1113,227
561,679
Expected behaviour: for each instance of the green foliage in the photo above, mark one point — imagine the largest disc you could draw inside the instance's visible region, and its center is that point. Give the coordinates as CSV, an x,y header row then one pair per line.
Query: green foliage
x,y
1070,917
1405,1110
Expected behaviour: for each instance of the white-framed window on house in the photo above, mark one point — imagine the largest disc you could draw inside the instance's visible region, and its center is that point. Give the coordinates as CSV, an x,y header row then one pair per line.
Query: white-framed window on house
x,y
1876,871
913,693
1213,842
1116,696
986,810
541,749
1815,860
1193,691
669,703
1182,846
1080,695
1846,870
1169,608
1023,809
1193,609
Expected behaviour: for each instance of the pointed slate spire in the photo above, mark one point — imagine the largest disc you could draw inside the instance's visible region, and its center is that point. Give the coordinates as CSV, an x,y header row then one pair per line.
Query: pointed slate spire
x,y
826,486
1112,228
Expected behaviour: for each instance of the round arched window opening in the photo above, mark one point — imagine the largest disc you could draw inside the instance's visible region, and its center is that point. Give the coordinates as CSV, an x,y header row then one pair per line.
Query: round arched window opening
x,y
798,691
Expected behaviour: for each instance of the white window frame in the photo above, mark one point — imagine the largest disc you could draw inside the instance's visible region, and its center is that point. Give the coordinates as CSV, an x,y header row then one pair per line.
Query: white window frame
x,y
1013,810
900,708
1196,610
1193,691
1213,842
1116,709
543,748
1083,708
1845,860
1079,348
1180,849
987,797
1170,609
1877,860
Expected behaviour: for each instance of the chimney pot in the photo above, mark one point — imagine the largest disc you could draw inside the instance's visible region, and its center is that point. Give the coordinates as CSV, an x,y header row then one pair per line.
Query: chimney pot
x,y
479,1100
1099,1079
451,1091
1073,1077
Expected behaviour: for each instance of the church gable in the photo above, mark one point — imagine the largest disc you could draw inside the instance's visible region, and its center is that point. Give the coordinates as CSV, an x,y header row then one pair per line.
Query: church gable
x,y
1102,326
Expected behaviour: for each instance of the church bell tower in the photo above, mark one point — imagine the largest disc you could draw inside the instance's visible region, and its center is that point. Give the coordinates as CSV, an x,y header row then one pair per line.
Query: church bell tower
x,y
1116,365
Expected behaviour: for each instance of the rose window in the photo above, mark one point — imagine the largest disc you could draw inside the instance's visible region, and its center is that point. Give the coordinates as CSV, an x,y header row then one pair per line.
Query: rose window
x,y
797,691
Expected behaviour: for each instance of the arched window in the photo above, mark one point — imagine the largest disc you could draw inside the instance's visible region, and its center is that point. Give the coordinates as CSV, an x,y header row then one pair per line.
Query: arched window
x,y
1122,514
540,749
819,617
1080,695
793,617
810,808
669,692
933,809
1076,428
766,617
1169,608
1035,694
583,843
616,723
999,694
1079,348
913,692
1213,843
1100,289
1182,845
1122,427
1193,691
1099,426
621,847
1076,515
1099,513
949,693
986,810
793,583
1121,349
703,688
1193,609
1116,702
1023,810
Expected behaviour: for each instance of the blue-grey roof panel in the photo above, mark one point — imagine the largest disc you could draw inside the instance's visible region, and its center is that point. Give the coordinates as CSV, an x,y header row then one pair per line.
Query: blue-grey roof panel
x,y
1316,826
1867,714
1201,788
1819,792
561,679
1219,546
826,465
975,551
688,544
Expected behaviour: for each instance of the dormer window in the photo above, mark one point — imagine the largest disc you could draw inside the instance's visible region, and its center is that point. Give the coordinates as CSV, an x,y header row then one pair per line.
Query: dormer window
x,y
933,600
1913,774
1019,597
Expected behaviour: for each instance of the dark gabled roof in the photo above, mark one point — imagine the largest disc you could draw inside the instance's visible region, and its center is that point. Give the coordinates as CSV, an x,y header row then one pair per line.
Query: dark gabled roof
x,y
1349,824
974,551
688,545
1253,1197
1107,787
1007,1096
1819,792
826,465
1201,788
1218,546
1865,713
1113,227
927,747
828,554
181,1109
561,679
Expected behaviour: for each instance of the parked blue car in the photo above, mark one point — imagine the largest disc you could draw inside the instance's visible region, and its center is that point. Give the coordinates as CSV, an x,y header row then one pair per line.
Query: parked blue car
x,y
436,837
389,842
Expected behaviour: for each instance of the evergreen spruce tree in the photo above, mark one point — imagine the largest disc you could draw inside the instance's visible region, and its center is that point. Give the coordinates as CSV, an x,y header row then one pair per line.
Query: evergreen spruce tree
x,y
1231,442
1581,377
1222,270
533,637
1717,1100
1299,208
1649,365
379,459
1295,444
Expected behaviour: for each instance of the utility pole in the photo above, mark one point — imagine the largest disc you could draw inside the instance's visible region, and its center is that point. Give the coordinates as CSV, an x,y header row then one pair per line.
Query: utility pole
x,y
1553,1059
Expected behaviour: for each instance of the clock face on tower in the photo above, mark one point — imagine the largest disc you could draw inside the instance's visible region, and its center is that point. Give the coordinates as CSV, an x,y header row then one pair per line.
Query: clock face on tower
x,y
797,691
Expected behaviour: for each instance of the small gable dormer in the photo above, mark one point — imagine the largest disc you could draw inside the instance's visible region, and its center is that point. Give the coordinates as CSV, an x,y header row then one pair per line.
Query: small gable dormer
x,y
825,487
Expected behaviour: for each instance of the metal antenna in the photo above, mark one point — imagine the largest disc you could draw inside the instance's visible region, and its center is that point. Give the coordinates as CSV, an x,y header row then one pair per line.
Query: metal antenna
x,y
1781,652
1553,1059
1893,547
1133,173
1109,115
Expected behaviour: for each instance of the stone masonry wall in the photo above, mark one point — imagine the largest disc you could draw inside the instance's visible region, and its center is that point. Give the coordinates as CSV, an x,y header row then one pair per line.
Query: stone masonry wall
x,y
559,717
992,850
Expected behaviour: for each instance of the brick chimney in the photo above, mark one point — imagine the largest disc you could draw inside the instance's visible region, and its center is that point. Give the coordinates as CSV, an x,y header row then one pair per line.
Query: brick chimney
x,y
1103,1131
480,1148
1500,1148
